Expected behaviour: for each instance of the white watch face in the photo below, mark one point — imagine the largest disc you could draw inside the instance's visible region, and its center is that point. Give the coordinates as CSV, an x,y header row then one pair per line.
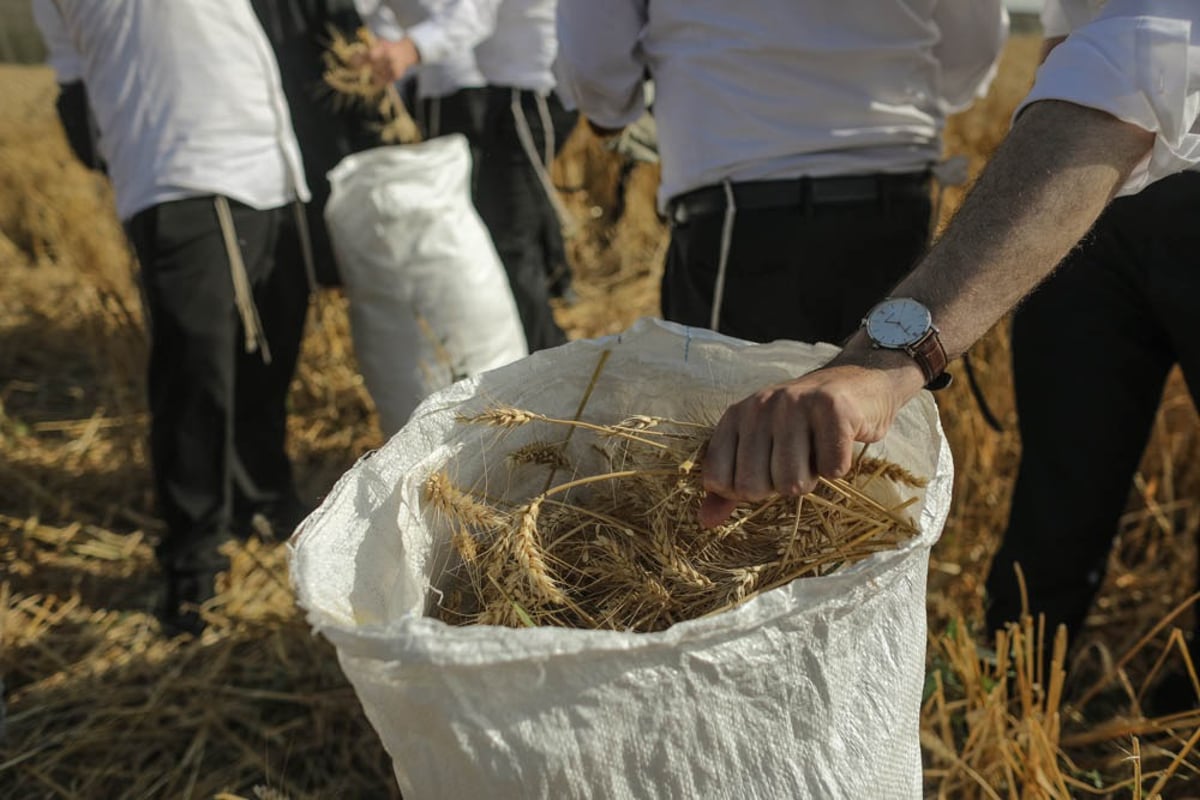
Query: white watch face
x,y
898,322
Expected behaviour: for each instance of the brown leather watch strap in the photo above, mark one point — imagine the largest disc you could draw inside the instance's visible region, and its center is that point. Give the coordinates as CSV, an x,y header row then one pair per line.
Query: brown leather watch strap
x,y
931,358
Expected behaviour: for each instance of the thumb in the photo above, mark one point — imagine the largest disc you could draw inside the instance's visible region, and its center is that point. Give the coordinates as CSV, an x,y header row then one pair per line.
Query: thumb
x,y
715,509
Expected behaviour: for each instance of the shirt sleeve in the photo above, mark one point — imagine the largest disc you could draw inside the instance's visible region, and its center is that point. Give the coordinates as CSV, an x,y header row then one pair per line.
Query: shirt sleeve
x,y
60,49
1138,60
1054,20
458,26
973,36
600,68
379,19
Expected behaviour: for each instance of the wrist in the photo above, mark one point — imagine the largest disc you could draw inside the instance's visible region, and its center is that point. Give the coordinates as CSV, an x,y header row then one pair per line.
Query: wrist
x,y
901,371
905,325
410,53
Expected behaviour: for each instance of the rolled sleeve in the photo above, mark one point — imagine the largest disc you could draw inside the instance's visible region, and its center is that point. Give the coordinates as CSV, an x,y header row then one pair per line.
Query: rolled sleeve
x,y
1054,20
1142,68
61,53
380,19
458,27
599,68
972,37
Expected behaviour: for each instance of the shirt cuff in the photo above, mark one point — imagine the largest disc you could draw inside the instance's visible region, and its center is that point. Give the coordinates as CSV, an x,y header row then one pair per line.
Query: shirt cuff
x,y
1054,20
1141,70
608,106
430,40
385,26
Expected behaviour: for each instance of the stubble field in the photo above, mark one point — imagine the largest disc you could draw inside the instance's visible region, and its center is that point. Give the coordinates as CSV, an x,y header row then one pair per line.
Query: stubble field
x,y
100,704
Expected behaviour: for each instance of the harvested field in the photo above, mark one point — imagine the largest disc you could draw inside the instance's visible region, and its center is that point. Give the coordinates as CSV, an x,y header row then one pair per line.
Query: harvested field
x,y
100,704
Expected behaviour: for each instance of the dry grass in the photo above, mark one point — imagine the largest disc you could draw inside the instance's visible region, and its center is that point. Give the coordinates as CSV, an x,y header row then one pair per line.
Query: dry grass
x,y
100,704
621,549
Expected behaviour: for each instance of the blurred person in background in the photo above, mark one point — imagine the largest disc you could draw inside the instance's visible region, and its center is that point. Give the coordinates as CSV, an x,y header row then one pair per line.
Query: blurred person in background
x,y
1091,351
1114,109
198,140
798,142
299,32
446,97
516,121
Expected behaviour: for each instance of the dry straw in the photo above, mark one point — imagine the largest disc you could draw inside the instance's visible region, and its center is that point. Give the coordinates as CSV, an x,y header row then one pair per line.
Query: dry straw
x,y
621,549
997,724
350,78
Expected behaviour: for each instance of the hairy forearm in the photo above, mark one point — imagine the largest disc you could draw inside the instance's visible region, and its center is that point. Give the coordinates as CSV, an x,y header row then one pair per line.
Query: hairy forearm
x,y
1047,184
1042,191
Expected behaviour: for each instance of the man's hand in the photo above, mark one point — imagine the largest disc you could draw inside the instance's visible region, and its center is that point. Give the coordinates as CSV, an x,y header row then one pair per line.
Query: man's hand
x,y
779,439
391,60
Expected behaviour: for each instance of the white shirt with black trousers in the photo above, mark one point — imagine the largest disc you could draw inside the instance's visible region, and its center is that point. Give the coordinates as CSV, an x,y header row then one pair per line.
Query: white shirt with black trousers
x,y
444,96
198,140
515,124
797,141
1111,322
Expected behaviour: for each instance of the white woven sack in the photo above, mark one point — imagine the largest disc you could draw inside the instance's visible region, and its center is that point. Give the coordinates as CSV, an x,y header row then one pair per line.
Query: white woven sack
x,y
811,690
429,299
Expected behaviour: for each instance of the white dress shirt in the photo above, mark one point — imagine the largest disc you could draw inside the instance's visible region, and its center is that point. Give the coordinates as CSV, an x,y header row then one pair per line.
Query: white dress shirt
x,y
393,19
762,89
60,50
513,40
1138,60
187,97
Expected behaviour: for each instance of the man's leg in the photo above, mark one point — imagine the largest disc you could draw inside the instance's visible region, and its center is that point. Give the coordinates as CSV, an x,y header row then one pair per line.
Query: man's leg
x,y
1089,362
516,210
189,298
1174,287
558,267
464,112
262,472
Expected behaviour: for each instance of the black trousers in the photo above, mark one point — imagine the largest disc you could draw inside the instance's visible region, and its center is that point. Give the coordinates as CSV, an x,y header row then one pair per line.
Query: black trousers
x,y
806,272
508,195
1091,351
465,112
517,212
218,420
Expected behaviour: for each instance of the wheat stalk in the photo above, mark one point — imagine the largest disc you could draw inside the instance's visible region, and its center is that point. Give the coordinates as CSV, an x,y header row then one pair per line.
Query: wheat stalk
x,y
621,548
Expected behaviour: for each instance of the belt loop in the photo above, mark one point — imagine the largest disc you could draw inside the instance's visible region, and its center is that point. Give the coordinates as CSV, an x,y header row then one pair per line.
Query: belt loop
x,y
884,190
806,195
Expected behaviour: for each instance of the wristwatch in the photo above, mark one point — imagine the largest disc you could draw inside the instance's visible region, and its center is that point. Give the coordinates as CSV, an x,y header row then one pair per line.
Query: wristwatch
x,y
902,323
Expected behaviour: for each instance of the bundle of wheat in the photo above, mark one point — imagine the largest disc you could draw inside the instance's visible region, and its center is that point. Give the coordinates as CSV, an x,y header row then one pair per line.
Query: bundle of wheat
x,y
622,549
348,74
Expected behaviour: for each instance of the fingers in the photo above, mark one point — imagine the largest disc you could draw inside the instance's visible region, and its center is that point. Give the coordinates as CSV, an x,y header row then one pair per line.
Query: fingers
x,y
834,451
779,440
776,442
381,72
715,509
752,469
791,466
748,461
384,63
717,467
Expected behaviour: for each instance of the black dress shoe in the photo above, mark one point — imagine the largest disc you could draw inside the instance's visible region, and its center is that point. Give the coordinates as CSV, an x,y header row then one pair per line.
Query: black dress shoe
x,y
186,591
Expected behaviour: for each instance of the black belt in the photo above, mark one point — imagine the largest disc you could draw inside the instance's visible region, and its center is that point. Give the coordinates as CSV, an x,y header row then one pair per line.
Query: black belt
x,y
798,192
